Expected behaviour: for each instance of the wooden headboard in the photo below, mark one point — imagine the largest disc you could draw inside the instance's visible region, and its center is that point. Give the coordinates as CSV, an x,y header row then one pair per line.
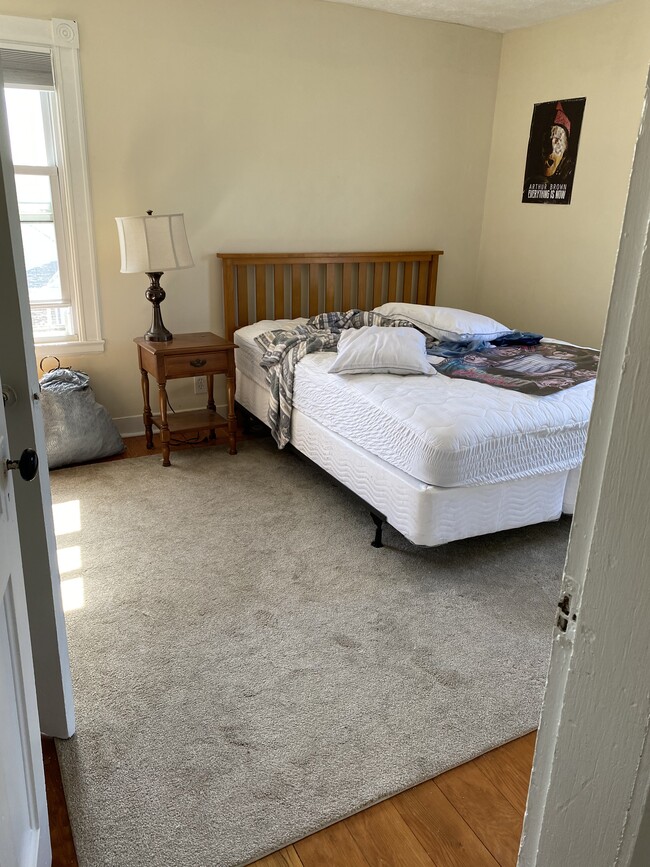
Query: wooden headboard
x,y
286,285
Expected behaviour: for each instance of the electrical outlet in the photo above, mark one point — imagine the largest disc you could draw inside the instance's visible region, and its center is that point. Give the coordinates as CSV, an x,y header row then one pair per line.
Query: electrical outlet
x,y
200,385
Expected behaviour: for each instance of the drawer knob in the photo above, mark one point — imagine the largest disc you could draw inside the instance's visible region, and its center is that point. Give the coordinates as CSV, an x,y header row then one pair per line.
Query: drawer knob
x,y
198,362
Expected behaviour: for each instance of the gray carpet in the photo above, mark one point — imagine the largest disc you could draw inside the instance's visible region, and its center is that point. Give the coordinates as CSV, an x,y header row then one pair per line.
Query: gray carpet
x,y
248,669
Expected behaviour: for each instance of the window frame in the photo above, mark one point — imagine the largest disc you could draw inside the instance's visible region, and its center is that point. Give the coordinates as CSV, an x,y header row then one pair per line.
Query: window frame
x,y
60,38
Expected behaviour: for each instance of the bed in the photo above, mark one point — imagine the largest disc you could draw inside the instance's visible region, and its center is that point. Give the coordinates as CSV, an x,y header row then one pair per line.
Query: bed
x,y
514,459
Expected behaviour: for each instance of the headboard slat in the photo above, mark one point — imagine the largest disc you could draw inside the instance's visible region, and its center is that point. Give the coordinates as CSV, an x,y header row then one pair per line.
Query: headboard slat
x,y
330,285
407,288
377,282
229,292
278,291
433,277
346,286
362,292
392,281
242,294
296,291
260,292
338,274
314,275
423,280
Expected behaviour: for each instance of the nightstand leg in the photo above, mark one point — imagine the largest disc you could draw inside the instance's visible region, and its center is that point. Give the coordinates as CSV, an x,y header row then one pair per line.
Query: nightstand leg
x,y
164,427
146,414
211,403
232,418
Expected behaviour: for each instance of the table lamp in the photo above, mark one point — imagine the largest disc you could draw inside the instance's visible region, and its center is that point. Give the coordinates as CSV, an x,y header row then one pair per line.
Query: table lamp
x,y
153,244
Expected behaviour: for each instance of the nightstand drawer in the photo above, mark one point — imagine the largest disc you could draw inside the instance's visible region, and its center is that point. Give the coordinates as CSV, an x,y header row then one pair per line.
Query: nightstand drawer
x,y
195,364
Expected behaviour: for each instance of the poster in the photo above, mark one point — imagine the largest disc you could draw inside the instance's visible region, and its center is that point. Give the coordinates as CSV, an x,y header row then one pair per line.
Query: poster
x,y
552,151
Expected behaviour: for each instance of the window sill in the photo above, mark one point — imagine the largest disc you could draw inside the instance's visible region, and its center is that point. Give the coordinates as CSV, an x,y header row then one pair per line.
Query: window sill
x,y
68,348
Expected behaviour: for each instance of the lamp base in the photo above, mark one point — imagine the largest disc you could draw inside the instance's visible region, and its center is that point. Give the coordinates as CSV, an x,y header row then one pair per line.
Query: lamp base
x,y
160,336
156,294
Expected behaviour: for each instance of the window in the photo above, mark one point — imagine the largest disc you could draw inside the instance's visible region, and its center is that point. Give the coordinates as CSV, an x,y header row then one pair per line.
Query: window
x,y
41,216
44,112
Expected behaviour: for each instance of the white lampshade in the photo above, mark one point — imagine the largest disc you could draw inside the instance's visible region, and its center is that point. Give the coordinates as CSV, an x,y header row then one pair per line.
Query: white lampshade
x,y
155,242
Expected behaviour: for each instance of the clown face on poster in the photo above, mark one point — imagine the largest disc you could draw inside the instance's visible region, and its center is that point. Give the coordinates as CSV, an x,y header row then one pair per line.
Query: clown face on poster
x,y
552,151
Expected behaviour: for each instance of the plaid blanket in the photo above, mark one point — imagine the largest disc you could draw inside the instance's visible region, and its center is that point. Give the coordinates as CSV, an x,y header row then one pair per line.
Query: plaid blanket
x,y
283,349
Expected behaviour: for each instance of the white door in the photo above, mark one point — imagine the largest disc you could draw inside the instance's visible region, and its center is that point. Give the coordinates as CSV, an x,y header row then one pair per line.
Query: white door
x,y
24,831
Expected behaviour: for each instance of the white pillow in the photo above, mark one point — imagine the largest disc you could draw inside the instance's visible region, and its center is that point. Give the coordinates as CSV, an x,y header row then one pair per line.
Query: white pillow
x,y
445,323
380,349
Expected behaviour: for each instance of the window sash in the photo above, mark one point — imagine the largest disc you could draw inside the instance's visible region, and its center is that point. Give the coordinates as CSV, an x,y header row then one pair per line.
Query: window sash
x,y
57,323
59,228
47,123
62,231
64,302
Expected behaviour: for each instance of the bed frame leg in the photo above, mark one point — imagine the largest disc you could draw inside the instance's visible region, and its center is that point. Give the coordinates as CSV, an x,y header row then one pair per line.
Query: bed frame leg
x,y
379,523
251,426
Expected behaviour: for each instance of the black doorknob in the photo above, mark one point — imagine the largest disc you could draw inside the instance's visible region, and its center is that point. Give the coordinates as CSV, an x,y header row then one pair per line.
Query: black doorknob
x,y
27,465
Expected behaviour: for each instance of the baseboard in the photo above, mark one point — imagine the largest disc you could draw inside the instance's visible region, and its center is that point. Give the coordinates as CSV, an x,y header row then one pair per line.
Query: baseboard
x,y
133,426
130,425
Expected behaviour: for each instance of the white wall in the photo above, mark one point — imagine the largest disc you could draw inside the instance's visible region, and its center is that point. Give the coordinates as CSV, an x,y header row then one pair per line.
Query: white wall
x,y
550,268
292,125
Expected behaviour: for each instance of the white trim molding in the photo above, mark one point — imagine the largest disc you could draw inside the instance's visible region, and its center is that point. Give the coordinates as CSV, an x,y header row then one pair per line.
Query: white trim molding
x,y
65,33
68,348
61,38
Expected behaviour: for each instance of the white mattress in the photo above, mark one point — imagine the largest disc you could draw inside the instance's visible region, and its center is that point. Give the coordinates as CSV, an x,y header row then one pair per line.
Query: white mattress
x,y
441,431
425,514
248,353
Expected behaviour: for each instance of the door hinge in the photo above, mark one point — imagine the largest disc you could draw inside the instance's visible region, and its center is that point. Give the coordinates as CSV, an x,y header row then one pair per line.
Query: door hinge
x,y
564,613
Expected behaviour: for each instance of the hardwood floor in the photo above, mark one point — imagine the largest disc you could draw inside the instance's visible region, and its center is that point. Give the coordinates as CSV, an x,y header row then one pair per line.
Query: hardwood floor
x,y
63,851
470,816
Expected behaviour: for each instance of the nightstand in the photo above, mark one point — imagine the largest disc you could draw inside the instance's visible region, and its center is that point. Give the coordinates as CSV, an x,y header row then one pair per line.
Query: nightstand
x,y
200,354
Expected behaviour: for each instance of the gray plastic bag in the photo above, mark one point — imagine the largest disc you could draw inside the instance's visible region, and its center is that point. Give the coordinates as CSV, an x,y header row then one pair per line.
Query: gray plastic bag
x,y
77,428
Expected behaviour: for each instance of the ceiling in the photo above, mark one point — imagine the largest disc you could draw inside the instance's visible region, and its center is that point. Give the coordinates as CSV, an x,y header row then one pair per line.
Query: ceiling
x,y
499,15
